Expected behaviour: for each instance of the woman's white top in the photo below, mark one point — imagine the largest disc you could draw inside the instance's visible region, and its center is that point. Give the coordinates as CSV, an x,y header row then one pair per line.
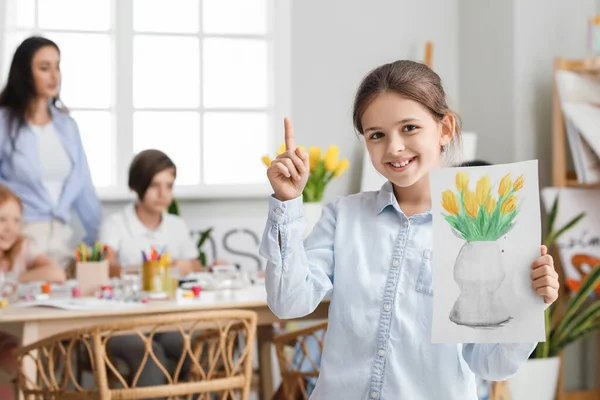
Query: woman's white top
x,y
54,160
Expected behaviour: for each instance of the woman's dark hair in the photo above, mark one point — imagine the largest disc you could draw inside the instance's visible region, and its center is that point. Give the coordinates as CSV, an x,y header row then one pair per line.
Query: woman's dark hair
x,y
20,86
144,166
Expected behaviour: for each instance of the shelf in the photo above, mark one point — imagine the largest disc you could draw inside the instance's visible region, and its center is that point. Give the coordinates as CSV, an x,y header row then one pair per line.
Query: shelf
x,y
573,183
591,65
582,395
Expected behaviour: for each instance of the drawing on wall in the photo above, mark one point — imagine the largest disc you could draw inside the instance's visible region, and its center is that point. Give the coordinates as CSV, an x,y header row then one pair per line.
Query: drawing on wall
x,y
579,245
486,234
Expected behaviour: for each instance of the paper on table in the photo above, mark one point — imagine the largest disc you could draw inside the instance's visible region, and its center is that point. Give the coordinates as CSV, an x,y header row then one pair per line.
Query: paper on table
x,y
484,244
81,304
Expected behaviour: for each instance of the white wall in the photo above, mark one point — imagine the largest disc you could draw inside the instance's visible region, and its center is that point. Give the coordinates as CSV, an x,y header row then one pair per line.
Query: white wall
x,y
334,44
507,49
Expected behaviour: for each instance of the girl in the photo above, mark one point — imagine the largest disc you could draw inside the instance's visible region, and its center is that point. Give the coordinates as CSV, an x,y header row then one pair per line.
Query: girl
x,y
372,252
19,263
41,154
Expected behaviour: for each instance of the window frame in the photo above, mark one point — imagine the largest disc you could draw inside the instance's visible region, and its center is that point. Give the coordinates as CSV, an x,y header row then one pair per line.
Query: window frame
x,y
122,108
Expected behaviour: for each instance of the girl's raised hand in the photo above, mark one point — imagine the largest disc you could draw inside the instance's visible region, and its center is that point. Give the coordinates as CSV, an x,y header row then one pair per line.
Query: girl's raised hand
x,y
289,172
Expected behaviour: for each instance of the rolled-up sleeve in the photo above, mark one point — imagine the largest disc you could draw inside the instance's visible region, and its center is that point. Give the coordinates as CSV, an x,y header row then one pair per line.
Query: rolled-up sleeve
x,y
496,361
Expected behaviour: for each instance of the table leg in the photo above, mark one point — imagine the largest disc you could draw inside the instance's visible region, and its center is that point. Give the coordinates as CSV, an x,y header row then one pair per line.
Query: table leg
x,y
264,336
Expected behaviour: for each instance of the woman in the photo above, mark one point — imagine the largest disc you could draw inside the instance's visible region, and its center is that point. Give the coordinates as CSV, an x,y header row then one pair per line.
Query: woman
x,y
41,154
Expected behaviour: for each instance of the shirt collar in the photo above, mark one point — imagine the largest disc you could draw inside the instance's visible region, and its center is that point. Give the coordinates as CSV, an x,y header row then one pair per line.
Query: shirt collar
x,y
135,225
387,198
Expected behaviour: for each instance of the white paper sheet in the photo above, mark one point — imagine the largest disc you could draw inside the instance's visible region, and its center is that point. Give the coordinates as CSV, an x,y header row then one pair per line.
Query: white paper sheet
x,y
81,304
497,260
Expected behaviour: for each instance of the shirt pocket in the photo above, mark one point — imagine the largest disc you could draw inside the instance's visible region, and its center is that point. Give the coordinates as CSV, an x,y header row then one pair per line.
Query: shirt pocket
x,y
425,278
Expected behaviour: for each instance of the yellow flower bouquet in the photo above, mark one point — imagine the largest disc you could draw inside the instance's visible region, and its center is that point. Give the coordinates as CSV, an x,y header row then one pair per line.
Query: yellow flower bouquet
x,y
322,170
479,215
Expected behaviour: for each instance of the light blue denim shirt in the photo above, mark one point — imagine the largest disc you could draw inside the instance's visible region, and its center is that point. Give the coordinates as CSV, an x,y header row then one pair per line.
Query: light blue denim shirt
x,y
375,263
21,171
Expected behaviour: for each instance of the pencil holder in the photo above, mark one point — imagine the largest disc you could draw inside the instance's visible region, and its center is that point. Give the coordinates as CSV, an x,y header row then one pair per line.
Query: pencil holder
x,y
155,277
91,275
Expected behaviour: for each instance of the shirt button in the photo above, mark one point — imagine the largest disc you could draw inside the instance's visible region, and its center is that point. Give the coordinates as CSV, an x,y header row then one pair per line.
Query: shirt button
x,y
381,353
395,263
387,307
278,211
405,223
373,395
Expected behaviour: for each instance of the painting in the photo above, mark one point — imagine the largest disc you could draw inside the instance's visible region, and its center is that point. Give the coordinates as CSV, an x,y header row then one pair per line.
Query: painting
x,y
486,234
579,246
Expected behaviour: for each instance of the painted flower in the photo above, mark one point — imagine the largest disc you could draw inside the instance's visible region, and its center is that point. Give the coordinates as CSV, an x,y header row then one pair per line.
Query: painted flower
x,y
519,182
450,202
509,205
483,189
266,160
491,205
505,184
471,206
462,181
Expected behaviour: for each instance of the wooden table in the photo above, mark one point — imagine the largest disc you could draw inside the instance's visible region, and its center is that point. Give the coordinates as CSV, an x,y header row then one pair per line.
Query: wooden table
x,y
35,323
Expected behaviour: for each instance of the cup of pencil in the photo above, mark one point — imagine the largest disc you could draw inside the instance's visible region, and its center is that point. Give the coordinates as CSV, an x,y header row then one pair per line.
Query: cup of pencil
x,y
92,270
156,272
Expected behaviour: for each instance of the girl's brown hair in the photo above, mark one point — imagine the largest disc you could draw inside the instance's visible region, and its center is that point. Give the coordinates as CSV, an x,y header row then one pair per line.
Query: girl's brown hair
x,y
7,195
417,82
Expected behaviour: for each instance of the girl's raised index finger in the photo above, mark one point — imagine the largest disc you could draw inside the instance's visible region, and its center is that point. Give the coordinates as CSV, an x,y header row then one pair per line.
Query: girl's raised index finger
x,y
290,143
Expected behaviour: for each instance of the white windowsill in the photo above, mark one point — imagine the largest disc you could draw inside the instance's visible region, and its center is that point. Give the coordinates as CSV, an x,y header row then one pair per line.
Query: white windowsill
x,y
225,192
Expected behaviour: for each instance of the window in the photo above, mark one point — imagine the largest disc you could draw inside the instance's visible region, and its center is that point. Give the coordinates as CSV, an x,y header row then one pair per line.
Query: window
x,y
196,79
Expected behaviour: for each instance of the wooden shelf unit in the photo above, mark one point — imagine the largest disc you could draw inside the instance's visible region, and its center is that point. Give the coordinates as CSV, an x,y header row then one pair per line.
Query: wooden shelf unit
x,y
562,177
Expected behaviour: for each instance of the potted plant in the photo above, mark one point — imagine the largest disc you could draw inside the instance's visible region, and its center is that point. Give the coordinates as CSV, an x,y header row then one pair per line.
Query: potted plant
x,y
322,171
579,316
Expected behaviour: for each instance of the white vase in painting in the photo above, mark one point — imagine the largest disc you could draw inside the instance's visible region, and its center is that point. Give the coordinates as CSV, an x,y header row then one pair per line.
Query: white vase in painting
x,y
479,273
312,214
537,379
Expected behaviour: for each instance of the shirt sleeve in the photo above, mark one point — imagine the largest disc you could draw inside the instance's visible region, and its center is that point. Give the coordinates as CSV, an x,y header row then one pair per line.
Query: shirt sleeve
x,y
87,204
496,361
299,273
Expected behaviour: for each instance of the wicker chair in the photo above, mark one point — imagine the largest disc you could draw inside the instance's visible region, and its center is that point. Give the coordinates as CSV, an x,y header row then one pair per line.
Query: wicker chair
x,y
296,360
218,345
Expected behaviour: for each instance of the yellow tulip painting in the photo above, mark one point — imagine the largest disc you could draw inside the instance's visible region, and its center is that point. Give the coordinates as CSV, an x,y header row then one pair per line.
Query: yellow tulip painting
x,y
480,215
322,169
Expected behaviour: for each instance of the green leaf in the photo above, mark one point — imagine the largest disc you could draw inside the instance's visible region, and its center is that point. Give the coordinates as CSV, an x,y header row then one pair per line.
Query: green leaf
x,y
587,286
588,316
203,237
173,207
568,226
553,213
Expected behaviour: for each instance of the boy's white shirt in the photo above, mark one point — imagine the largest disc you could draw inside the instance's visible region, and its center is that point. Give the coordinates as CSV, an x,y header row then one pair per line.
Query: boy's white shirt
x,y
128,237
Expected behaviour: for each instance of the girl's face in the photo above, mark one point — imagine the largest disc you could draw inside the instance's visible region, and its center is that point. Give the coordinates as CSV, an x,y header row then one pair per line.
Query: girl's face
x,y
10,224
45,67
159,195
403,139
